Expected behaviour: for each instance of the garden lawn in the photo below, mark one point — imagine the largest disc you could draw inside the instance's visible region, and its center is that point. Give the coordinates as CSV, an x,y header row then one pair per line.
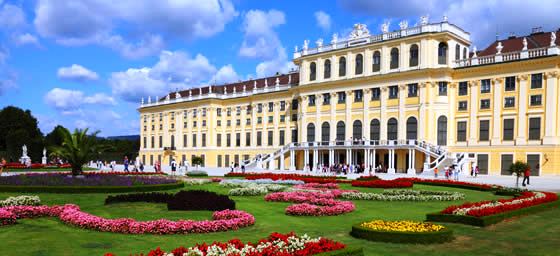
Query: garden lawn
x,y
529,235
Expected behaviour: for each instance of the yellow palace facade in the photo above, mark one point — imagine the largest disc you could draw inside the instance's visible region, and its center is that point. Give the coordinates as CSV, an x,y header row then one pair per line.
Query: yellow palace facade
x,y
408,100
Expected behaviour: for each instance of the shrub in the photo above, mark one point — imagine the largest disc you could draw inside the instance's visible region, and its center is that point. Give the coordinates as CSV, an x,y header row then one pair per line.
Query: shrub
x,y
200,200
382,184
154,197
197,174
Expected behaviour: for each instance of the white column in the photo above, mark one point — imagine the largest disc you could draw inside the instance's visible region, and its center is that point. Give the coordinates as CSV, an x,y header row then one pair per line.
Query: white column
x,y
366,99
473,122
276,121
522,111
373,158
316,159
402,117
551,109
411,162
422,124
318,103
253,125
292,160
282,162
348,109
383,114
391,169
426,162
332,132
496,117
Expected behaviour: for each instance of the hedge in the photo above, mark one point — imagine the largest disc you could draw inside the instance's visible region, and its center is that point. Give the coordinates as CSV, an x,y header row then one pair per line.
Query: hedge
x,y
441,236
348,251
90,189
491,219
184,200
197,174
454,186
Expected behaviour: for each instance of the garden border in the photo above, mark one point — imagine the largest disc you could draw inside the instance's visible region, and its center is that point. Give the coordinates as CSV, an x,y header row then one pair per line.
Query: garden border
x,y
453,186
90,189
441,236
491,219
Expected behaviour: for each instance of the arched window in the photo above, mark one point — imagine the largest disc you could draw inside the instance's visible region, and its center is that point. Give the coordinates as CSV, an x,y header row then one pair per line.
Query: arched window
x,y
325,132
442,53
465,53
340,132
359,64
411,128
342,66
172,141
312,71
394,58
376,61
457,52
374,133
327,69
442,131
357,129
310,132
392,129
414,55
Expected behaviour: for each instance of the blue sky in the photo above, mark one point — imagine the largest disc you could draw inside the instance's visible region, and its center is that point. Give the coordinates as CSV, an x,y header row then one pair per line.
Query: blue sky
x,y
87,63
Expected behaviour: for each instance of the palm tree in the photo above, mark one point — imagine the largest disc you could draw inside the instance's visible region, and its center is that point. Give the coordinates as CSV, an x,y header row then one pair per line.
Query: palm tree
x,y
78,148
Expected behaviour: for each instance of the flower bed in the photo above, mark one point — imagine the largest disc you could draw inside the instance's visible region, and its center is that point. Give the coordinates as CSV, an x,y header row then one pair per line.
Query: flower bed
x,y
190,200
317,186
20,200
402,232
256,189
197,174
196,182
70,214
450,183
274,245
36,166
311,203
279,176
235,183
405,195
7,217
365,178
489,212
382,184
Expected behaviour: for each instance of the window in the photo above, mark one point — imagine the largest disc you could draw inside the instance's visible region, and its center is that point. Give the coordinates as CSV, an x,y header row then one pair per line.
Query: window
x,y
536,100
508,129
536,81
507,160
259,108
204,139
228,122
294,104
294,135
457,52
340,132
282,118
203,123
374,132
394,58
310,132
510,83
442,130
413,62
442,88
281,137
358,95
282,105
342,66
392,129
173,125
238,122
270,137
393,92
219,122
228,140
312,71
184,140
259,120
238,139
341,97
325,132
294,117
357,129
375,93
509,102
194,113
270,119
463,88
463,105
249,109
153,144
144,144
442,53
359,64
161,126
184,125
482,163
219,111
270,106
465,53
219,160
248,139
311,100
533,160
411,128
412,90
462,131
485,86
376,61
484,130
194,140
485,104
327,69
145,128
326,98
218,140
534,128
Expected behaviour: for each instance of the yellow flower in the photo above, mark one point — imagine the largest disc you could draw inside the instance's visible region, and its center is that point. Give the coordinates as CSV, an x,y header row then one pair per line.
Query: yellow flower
x,y
402,226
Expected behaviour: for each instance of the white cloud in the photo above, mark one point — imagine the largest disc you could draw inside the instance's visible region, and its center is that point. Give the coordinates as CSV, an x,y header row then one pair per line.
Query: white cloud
x,y
26,39
133,84
8,77
323,20
11,17
76,73
260,40
146,22
226,74
178,67
70,101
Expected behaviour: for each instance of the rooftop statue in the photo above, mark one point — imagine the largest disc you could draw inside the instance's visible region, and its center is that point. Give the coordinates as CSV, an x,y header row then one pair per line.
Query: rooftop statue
x,y
360,30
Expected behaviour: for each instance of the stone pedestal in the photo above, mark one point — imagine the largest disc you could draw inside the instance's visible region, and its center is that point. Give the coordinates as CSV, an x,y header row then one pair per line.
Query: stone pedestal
x,y
24,159
44,160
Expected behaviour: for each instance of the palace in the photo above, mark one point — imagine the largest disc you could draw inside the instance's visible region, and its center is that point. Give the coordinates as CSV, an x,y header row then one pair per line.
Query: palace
x,y
410,100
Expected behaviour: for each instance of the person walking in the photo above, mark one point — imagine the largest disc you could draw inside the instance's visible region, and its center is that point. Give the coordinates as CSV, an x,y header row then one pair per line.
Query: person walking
x,y
243,169
436,172
476,170
173,167
141,167
2,165
456,171
526,175
125,162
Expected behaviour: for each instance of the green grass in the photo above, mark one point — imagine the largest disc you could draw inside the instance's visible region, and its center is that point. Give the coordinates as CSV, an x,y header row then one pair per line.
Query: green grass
x,y
536,234
48,170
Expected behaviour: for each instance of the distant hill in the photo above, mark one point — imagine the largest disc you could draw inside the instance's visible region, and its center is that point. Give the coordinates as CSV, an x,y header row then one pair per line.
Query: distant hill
x,y
125,137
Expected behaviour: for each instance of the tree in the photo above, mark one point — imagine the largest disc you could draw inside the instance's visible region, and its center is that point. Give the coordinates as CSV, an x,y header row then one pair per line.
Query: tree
x,y
19,127
196,161
518,168
54,138
78,148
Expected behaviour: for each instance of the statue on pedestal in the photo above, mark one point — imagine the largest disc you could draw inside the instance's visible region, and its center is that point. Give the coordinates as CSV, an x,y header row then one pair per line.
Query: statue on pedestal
x,y
44,159
24,157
